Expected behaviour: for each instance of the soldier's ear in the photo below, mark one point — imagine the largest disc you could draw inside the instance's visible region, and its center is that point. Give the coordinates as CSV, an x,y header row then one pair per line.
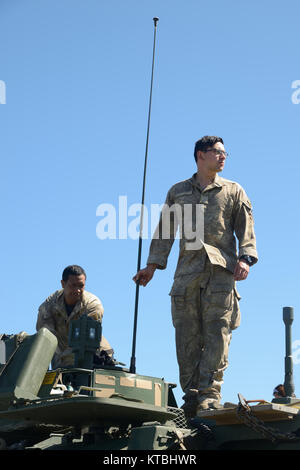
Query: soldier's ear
x,y
62,284
199,155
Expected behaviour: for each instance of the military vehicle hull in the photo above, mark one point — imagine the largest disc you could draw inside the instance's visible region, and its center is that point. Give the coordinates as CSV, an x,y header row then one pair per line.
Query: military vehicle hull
x,y
111,408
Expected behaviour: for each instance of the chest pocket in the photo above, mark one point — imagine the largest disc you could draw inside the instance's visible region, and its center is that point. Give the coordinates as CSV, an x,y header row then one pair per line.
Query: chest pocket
x,y
185,197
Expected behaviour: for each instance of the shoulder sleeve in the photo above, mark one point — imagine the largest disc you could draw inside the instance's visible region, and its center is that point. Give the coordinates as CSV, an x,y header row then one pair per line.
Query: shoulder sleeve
x,y
45,318
164,235
94,307
244,224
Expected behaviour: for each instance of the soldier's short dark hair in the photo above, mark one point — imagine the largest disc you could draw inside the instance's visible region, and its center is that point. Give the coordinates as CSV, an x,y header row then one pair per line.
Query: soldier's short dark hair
x,y
205,142
72,270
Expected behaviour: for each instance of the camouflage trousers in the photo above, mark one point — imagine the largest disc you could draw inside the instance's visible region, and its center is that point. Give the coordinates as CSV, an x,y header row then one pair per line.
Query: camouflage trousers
x,y
204,313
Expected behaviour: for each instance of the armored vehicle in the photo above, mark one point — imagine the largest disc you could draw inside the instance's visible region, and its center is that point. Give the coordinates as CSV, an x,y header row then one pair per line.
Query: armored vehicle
x,y
100,405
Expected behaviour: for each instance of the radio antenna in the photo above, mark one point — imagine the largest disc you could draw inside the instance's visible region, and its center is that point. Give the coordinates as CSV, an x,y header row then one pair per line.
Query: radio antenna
x,y
132,361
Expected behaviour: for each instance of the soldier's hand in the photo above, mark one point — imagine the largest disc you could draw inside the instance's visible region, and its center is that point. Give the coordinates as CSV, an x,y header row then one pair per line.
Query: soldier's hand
x,y
241,270
145,275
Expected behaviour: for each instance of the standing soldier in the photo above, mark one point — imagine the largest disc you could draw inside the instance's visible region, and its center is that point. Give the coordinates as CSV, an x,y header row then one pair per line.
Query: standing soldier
x,y
205,302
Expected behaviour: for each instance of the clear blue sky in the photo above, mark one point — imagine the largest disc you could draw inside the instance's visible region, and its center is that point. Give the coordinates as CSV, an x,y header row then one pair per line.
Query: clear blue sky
x,y
73,132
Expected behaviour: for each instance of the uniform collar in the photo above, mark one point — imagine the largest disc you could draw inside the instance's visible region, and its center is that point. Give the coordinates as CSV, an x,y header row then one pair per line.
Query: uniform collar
x,y
217,183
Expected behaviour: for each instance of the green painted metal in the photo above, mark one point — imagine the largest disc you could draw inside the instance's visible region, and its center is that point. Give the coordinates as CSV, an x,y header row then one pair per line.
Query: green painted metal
x,y
111,408
24,372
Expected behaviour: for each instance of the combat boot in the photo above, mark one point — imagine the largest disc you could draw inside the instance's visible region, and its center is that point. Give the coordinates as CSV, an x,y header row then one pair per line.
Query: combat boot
x,y
208,403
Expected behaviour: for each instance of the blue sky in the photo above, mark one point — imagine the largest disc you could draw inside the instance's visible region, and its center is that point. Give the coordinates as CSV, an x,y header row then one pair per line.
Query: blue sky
x,y
73,132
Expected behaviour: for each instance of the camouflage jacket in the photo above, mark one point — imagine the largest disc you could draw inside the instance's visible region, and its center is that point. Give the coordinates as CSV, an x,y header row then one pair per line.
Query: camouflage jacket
x,y
53,316
226,212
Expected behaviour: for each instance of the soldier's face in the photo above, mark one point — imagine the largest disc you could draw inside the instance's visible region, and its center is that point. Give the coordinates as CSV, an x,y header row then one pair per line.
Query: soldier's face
x,y
213,159
73,288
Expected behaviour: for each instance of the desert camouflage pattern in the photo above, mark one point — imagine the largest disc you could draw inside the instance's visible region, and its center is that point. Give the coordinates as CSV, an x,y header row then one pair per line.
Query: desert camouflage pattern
x,y
205,302
204,313
53,316
227,211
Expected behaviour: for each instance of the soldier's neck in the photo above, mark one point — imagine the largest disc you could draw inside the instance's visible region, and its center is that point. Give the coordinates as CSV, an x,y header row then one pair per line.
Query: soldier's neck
x,y
70,302
205,178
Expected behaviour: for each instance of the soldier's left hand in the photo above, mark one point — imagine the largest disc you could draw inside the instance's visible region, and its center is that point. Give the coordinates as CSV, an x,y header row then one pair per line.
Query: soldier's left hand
x,y
241,270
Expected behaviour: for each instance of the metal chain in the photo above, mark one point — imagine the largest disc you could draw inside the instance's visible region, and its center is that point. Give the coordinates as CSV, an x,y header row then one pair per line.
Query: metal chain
x,y
245,415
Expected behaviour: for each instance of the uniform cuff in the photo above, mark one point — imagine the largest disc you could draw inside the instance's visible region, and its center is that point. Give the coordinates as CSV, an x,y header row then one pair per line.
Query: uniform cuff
x,y
161,264
251,253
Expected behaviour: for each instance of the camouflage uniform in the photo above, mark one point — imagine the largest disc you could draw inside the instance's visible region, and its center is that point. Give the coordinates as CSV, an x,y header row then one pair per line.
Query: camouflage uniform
x,y
205,307
53,316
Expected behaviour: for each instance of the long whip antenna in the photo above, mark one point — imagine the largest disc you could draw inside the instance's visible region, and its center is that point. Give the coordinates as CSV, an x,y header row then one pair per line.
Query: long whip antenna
x,y
132,361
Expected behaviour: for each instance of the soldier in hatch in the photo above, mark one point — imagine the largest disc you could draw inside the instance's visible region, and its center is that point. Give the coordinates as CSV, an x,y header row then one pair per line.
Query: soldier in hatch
x,y
65,305
205,302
